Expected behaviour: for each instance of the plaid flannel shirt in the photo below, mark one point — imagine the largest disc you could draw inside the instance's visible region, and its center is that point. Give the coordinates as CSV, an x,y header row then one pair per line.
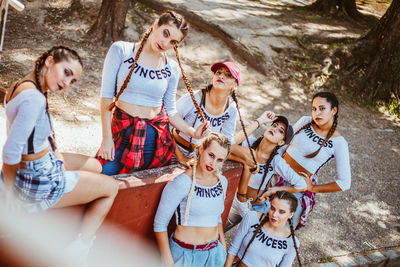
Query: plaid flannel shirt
x,y
307,200
132,156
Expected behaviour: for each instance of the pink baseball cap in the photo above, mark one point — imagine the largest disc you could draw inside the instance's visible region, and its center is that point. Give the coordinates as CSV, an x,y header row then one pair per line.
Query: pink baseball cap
x,y
232,67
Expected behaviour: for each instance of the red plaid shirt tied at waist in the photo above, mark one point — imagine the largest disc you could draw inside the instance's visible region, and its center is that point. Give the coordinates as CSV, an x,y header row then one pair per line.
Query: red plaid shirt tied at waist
x,y
132,156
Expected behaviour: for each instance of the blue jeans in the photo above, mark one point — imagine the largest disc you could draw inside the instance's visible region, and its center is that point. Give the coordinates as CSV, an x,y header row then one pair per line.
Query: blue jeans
x,y
184,257
299,210
115,166
261,207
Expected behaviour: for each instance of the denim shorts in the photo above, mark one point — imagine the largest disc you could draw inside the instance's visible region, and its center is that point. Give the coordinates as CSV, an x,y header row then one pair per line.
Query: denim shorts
x,y
184,257
261,207
43,182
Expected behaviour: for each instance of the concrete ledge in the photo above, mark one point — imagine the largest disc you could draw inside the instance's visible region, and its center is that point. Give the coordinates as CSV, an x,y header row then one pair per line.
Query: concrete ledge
x,y
137,201
385,257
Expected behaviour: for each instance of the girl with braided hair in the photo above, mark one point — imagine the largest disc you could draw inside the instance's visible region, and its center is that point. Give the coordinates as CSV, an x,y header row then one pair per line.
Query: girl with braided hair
x,y
265,239
197,199
34,176
315,142
254,184
215,102
143,83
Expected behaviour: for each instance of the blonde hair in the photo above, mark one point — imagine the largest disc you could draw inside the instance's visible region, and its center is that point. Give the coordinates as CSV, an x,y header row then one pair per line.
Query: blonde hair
x,y
223,142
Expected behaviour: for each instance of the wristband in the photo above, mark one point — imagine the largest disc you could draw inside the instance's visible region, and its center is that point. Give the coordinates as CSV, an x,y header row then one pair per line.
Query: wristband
x,y
258,123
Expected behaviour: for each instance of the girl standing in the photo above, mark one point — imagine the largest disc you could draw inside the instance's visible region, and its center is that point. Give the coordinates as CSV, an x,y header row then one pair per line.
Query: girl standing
x,y
197,199
315,142
143,83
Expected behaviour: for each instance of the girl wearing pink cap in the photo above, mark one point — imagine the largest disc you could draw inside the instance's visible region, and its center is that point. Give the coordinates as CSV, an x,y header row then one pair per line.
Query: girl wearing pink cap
x,y
215,102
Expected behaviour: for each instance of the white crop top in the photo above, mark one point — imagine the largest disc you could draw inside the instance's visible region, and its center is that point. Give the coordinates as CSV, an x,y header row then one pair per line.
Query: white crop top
x,y
224,123
151,87
278,165
206,206
308,141
265,250
25,112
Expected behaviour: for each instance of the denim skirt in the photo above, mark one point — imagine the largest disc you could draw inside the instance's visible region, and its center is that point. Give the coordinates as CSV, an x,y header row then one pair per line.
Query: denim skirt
x,y
184,257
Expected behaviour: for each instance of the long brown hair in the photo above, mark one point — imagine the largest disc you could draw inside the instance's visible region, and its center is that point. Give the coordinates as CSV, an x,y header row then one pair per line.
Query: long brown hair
x,y
59,53
165,18
332,99
243,128
265,218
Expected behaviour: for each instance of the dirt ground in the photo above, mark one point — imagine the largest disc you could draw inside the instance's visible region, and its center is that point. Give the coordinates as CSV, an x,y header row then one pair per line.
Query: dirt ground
x,y
363,218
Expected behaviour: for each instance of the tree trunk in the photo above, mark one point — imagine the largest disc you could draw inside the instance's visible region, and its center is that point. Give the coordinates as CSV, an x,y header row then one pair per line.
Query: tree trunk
x,y
371,65
345,8
3,91
110,21
2,13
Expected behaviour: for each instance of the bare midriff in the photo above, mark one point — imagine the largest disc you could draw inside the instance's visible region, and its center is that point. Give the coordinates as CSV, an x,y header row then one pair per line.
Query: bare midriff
x,y
252,194
295,165
35,156
134,110
196,235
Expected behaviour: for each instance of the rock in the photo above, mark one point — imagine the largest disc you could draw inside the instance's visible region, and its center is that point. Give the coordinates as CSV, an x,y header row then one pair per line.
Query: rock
x,y
385,130
67,117
83,118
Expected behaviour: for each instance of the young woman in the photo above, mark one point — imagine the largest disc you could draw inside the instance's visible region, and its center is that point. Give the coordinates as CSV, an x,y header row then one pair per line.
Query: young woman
x,y
143,83
215,102
264,239
33,173
265,149
315,142
197,199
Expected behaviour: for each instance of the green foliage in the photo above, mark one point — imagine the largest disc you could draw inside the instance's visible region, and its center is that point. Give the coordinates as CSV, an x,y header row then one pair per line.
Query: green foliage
x,y
393,106
314,16
326,259
134,18
343,43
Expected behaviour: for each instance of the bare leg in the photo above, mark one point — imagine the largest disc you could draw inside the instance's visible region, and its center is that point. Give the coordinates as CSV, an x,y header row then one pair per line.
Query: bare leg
x,y
75,162
99,191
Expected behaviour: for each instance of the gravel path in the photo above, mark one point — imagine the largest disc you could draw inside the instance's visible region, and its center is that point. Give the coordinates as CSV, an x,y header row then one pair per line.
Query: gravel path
x,y
365,217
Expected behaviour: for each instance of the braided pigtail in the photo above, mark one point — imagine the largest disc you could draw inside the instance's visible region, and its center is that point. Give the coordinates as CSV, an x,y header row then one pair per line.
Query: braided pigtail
x,y
294,241
38,67
188,86
243,128
189,198
128,77
223,142
59,53
219,175
274,152
333,101
299,130
329,135
263,219
256,143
